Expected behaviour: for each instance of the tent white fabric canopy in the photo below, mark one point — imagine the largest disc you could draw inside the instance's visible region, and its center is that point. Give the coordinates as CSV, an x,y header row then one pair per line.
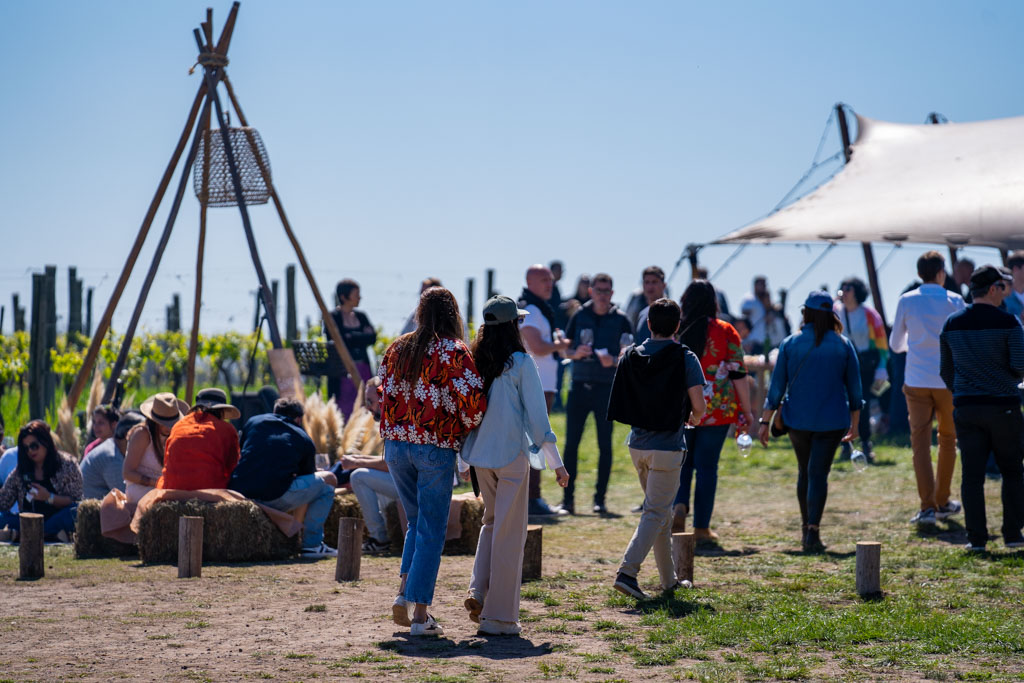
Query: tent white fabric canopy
x,y
955,184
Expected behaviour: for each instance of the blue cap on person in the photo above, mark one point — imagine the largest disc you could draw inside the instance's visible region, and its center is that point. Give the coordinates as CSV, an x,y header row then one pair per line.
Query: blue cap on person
x,y
818,301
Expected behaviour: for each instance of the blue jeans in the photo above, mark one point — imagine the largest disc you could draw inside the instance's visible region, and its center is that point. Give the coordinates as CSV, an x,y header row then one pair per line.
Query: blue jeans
x,y
815,452
62,520
373,489
308,489
703,449
424,476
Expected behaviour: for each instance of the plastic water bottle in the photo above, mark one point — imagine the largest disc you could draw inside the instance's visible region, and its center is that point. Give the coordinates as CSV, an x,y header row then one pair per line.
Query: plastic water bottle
x,y
859,460
745,444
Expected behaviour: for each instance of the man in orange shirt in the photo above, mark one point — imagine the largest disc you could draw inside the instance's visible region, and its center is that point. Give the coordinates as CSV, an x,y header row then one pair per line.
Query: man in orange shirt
x,y
202,449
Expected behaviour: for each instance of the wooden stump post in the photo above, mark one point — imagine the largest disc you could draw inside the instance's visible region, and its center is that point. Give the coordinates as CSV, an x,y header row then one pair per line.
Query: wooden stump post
x,y
683,546
30,550
190,547
350,549
869,565
533,552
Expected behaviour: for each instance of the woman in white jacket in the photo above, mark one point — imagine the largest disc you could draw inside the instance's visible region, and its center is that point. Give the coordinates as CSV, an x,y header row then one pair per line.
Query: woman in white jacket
x,y
512,437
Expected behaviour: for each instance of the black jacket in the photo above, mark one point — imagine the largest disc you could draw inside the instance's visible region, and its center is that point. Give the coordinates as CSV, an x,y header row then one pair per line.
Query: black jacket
x,y
650,392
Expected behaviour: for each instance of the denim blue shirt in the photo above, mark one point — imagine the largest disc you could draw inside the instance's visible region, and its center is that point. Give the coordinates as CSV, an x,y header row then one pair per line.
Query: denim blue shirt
x,y
516,420
826,388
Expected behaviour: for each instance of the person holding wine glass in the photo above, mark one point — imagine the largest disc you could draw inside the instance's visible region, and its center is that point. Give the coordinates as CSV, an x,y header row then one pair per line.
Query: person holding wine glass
x,y
595,333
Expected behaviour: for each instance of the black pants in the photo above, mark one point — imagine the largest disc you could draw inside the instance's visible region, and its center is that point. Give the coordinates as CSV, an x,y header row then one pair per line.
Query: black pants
x,y
868,361
815,452
996,429
586,398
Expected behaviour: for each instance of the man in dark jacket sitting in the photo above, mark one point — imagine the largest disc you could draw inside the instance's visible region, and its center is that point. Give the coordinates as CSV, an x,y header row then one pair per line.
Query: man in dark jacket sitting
x,y
278,469
658,390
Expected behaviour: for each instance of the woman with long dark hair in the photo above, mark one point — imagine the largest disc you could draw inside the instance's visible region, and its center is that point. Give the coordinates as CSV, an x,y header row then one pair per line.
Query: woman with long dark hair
x,y
717,344
431,397
816,389
514,432
46,481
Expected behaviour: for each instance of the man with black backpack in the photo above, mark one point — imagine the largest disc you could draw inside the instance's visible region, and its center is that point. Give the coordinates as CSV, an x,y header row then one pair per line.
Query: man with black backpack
x,y
658,389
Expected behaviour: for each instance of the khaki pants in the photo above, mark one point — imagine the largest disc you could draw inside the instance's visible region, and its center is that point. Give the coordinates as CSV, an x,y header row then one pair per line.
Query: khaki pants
x,y
922,406
659,478
498,568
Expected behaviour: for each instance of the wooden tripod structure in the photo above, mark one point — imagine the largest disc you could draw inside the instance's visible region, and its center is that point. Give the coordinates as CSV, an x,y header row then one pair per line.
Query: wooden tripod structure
x,y
213,59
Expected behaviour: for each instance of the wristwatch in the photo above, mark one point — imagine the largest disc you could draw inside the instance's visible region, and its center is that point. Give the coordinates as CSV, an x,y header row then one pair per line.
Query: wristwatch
x,y
763,421
50,499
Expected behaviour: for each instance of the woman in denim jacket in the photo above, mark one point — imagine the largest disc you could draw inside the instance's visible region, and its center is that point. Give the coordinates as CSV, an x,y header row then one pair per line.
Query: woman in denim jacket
x,y
514,431
816,385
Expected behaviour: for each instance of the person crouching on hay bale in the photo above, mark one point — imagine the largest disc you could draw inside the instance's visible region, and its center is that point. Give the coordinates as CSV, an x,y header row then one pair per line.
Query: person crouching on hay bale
x,y
202,449
502,452
278,469
45,481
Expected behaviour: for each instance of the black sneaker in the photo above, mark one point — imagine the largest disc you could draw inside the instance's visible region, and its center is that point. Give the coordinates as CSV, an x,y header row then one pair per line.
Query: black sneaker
x,y
600,509
569,507
637,509
372,546
627,585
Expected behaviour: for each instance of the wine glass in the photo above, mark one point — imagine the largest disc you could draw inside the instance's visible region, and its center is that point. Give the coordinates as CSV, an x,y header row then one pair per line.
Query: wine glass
x,y
625,340
323,461
587,337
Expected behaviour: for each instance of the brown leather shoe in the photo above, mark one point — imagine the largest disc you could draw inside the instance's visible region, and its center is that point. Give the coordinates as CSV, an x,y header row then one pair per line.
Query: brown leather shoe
x,y
679,513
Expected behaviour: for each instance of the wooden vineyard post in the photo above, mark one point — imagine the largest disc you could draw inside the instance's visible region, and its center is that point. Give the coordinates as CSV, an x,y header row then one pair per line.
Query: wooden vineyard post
x,y
533,552
683,546
350,549
190,547
291,325
30,550
869,567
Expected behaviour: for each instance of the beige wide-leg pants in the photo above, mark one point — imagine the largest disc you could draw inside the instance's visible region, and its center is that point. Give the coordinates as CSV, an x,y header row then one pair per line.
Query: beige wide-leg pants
x,y
659,477
498,568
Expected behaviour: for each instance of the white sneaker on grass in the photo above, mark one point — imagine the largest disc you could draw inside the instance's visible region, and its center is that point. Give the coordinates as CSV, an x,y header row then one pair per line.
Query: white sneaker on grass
x,y
924,517
950,508
495,627
317,551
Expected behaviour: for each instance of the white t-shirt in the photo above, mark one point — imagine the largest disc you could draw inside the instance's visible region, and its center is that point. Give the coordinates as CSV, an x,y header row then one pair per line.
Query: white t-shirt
x,y
547,366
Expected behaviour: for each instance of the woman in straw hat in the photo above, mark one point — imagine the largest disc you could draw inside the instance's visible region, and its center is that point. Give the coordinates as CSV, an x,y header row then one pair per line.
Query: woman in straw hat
x,y
202,449
144,461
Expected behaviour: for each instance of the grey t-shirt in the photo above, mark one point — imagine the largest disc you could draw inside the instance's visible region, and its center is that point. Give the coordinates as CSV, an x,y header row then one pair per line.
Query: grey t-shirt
x,y
102,470
645,439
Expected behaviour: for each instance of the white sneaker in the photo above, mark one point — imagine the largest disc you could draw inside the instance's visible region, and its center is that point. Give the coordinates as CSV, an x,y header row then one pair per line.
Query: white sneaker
x,y
974,548
950,508
924,517
322,550
428,628
400,612
494,627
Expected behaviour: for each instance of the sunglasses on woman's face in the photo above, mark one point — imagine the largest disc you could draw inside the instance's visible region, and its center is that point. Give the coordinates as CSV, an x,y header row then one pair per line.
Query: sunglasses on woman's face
x,y
33,445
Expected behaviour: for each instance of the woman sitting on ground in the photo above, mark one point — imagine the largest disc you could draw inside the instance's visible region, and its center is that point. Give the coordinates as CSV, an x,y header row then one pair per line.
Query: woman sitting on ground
x,y
104,420
46,481
514,430
144,460
202,449
816,386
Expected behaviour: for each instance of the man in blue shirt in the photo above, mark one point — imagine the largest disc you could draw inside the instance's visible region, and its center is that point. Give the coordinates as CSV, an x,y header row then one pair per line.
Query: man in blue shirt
x,y
278,468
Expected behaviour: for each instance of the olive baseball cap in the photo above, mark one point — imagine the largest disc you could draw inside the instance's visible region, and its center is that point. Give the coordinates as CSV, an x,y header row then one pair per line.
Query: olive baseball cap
x,y
501,309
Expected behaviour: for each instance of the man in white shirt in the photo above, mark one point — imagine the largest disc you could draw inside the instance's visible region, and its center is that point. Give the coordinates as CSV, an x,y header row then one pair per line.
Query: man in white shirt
x,y
920,316
538,330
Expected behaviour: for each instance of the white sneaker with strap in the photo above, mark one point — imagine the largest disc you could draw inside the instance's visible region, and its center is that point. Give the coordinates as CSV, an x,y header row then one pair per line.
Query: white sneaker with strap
x,y
427,628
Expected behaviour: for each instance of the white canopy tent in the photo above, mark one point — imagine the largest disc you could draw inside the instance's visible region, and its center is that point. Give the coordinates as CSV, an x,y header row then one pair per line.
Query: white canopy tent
x,y
954,184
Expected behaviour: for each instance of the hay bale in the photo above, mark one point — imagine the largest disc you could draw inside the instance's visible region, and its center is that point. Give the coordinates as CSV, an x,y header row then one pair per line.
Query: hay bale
x,y
471,518
235,531
345,505
90,542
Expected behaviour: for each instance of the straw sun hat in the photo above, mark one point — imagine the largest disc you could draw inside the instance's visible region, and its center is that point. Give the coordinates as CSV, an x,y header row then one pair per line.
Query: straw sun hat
x,y
164,408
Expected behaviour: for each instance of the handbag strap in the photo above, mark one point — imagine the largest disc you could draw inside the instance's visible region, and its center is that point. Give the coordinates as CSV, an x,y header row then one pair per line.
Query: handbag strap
x,y
789,384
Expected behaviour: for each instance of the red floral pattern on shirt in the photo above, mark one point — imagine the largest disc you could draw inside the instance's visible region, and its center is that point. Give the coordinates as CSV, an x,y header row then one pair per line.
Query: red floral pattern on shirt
x,y
445,404
723,353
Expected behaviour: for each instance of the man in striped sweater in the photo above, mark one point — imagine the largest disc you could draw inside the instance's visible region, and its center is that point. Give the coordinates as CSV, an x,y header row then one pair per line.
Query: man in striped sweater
x,y
982,362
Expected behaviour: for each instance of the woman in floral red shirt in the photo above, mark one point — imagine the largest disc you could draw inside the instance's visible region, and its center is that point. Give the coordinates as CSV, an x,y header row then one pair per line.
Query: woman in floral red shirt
x,y
431,396
717,344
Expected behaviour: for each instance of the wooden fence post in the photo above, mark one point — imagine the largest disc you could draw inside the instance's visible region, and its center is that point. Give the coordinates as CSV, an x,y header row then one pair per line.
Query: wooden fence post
x,y
490,283
190,547
350,549
470,286
174,314
74,302
533,552
88,312
869,561
291,324
30,548
683,546
19,313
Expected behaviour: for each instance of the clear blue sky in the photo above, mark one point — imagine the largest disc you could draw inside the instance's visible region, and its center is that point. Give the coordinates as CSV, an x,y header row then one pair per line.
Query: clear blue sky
x,y
411,138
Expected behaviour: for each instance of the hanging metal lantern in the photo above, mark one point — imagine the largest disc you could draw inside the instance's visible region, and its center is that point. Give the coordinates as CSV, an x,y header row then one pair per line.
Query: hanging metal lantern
x,y
220,190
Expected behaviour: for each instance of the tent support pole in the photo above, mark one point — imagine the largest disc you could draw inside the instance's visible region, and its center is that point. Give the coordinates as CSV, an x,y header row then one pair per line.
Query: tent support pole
x,y
953,255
